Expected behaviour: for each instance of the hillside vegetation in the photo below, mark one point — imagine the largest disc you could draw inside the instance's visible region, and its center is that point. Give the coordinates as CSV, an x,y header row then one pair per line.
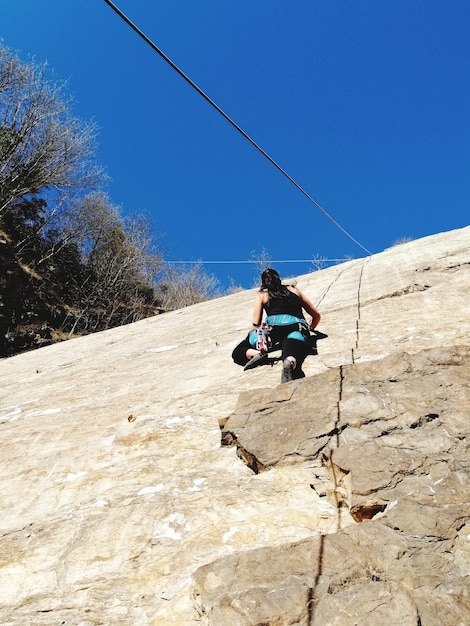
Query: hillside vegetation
x,y
69,262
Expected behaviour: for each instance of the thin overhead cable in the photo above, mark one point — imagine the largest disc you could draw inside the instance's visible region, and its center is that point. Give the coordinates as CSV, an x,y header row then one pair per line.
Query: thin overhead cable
x,y
254,262
229,119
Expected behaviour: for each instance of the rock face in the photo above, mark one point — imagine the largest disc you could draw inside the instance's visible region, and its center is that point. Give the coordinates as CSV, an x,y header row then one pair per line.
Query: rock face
x,y
340,579
341,498
393,439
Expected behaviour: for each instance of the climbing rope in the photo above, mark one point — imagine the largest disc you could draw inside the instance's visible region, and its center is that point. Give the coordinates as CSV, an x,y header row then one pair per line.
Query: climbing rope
x,y
229,119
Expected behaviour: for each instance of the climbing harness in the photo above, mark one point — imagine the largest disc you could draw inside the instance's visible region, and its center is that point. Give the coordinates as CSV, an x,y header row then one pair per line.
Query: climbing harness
x,y
263,340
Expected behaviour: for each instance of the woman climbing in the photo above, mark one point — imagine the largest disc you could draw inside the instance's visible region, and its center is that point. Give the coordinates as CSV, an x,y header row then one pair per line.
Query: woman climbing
x,y
289,330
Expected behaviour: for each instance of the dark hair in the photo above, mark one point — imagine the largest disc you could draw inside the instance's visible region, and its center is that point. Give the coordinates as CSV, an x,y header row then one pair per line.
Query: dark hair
x,y
271,282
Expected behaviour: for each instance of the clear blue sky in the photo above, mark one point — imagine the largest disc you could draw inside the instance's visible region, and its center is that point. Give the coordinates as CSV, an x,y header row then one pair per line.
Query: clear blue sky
x,y
366,104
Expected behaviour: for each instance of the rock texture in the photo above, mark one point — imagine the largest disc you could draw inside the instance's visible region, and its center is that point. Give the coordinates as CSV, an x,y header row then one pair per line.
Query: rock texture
x,y
339,579
120,506
393,438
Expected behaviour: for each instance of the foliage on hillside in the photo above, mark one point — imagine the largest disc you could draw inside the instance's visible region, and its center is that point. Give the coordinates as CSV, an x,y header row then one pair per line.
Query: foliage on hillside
x,y
69,263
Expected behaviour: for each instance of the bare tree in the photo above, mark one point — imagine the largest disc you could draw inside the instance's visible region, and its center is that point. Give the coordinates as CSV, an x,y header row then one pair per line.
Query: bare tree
x,y
261,261
318,262
121,262
181,287
68,260
43,149
88,220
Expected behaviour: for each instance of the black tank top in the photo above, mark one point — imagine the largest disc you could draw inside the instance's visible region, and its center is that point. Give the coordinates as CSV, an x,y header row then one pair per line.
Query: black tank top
x,y
289,304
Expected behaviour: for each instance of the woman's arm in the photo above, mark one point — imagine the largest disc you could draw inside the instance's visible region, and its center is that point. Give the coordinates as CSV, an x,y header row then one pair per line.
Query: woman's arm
x,y
311,310
258,309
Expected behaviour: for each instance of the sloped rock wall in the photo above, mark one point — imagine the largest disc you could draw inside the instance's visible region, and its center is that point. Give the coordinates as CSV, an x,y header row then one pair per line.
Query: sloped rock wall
x,y
392,437
115,489
366,574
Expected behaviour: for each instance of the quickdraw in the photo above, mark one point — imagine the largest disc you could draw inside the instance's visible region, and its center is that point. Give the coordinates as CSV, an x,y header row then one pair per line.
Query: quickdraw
x,y
263,341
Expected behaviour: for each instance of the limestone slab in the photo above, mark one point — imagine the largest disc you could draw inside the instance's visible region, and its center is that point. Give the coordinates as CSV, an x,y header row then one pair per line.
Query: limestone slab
x,y
114,486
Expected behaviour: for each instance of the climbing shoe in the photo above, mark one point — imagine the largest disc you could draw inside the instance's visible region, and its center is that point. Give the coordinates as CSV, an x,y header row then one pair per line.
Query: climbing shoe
x,y
287,371
259,359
